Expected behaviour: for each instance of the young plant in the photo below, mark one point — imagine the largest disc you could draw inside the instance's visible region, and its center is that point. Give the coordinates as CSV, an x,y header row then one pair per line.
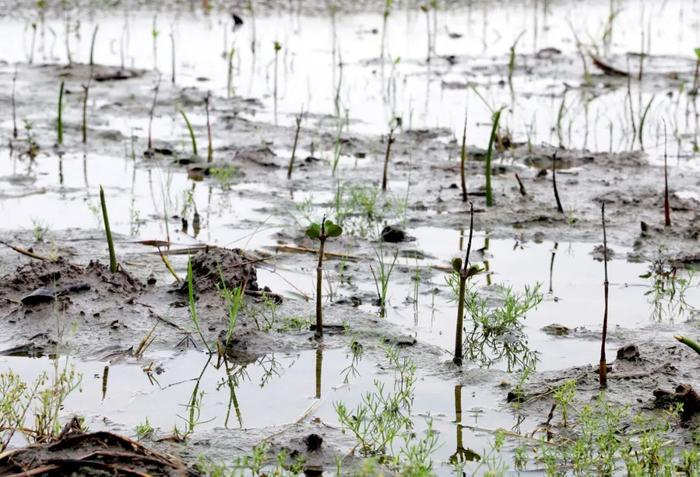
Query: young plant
x,y
465,272
278,47
322,232
603,368
108,233
463,161
381,278
234,302
59,120
149,151
229,77
564,396
390,140
489,156
560,209
190,130
294,145
14,106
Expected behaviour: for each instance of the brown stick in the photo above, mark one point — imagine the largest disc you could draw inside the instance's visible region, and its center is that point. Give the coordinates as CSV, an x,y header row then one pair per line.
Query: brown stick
x,y
554,183
523,192
26,252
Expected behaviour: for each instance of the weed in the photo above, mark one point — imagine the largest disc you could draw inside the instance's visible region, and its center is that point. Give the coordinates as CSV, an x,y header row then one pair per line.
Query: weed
x,y
234,301
322,232
668,289
39,230
265,317
564,396
108,233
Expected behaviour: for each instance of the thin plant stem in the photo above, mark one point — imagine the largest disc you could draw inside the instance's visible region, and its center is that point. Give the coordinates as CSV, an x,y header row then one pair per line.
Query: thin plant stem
x,y
667,203
59,121
172,57
210,147
150,115
319,282
14,106
603,369
108,233
463,276
489,157
523,192
387,156
86,90
560,209
92,45
191,131
294,145
463,162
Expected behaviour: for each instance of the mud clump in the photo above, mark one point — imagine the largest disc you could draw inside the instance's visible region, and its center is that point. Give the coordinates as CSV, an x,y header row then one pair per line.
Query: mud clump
x,y
97,453
684,395
213,267
42,282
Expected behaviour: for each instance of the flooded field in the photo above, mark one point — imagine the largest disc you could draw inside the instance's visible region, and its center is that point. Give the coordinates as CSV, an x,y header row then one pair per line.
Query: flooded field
x,y
350,238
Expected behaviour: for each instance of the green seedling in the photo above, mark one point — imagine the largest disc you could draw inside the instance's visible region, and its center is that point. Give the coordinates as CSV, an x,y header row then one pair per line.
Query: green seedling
x,y
382,276
108,233
603,368
234,302
463,161
489,156
564,397
59,121
322,232
92,45
390,140
692,344
190,130
294,145
144,430
465,272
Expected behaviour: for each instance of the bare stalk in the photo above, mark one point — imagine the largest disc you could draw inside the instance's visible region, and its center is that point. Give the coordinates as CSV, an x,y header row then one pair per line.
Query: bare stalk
x,y
523,192
210,147
86,90
463,162
59,121
387,156
319,282
294,146
464,274
108,233
603,369
14,107
150,115
92,45
667,203
554,183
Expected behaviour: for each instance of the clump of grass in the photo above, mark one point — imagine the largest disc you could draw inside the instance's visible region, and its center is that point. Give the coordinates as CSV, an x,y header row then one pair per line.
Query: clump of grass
x,y
294,145
193,139
382,276
489,156
390,140
465,272
560,209
603,368
321,232
59,120
108,232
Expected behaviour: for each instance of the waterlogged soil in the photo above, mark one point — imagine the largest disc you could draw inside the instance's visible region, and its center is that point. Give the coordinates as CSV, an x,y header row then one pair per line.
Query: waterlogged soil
x,y
241,220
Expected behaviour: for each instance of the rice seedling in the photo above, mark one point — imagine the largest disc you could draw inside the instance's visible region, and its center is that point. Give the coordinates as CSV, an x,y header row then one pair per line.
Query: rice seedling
x,y
234,302
692,344
560,209
297,120
321,232
210,147
489,156
462,165
108,233
194,316
382,276
511,60
92,45
603,368
59,120
396,123
564,397
464,271
193,139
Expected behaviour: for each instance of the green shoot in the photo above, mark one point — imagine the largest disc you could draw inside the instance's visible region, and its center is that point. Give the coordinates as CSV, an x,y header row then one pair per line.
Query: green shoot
x,y
294,146
191,131
489,156
92,45
59,121
322,232
108,232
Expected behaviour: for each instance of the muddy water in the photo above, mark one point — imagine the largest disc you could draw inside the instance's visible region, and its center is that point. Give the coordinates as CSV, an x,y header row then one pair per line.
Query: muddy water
x,y
547,104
